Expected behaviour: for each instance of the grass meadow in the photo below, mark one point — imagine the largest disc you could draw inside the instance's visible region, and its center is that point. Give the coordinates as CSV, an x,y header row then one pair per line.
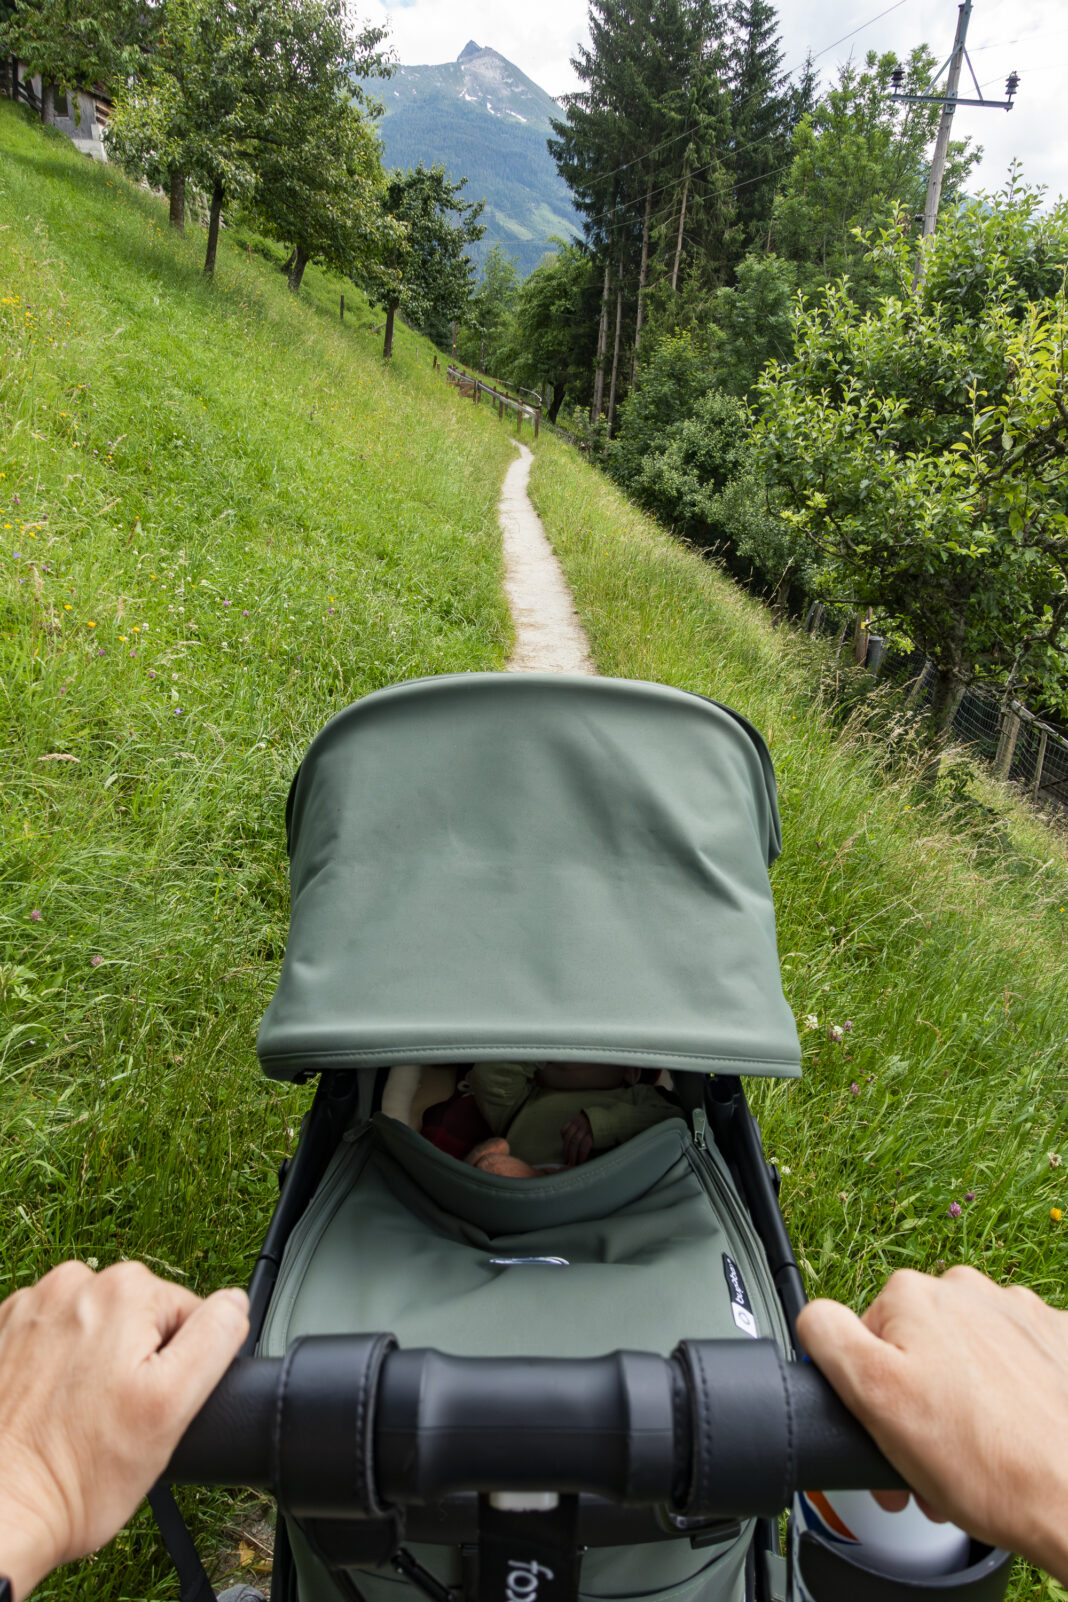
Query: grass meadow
x,y
922,933
222,518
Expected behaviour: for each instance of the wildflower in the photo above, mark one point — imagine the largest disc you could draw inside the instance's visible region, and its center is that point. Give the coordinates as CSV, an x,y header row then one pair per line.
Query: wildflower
x,y
1056,1214
35,915
101,651
152,673
94,962
89,623
245,612
1055,1159
133,653
969,1195
811,1021
954,1209
835,1032
177,711
67,607
843,1195
91,1262
855,1088
847,1027
122,637
330,609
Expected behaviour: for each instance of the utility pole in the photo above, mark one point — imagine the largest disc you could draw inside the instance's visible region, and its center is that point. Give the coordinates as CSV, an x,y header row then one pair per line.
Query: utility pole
x,y
949,101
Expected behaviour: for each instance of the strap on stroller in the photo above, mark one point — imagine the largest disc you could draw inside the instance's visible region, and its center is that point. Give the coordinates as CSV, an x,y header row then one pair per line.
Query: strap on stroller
x,y
193,1582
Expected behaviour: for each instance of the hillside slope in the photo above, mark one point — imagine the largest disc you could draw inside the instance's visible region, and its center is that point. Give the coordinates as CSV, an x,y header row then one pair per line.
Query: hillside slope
x,y
488,123
221,518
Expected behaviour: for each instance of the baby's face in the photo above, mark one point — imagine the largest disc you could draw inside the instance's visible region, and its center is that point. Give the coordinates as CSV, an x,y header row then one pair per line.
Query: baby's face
x,y
585,1076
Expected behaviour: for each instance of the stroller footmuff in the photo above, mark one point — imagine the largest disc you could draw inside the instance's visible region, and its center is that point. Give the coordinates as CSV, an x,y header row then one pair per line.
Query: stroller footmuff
x,y
634,1249
578,1383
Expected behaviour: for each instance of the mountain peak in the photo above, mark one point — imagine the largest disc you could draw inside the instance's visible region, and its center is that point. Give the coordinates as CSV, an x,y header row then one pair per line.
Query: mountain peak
x,y
470,49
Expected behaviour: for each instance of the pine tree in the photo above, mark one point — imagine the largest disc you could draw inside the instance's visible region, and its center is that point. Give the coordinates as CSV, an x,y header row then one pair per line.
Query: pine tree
x,y
763,111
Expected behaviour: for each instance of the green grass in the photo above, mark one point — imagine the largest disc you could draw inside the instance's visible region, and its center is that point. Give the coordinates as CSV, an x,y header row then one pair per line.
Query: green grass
x,y
231,519
937,931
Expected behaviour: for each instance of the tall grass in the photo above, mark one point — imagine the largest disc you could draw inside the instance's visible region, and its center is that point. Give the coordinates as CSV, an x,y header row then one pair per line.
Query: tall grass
x,y
922,937
221,518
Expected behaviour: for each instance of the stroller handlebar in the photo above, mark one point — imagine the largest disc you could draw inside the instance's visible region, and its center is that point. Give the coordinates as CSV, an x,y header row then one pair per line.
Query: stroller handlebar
x,y
346,1425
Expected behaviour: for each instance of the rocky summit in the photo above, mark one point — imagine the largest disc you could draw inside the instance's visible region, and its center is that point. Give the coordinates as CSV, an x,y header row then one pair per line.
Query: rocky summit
x,y
486,121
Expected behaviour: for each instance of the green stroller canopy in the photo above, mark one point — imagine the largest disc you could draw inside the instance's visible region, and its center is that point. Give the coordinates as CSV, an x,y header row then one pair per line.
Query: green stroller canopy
x,y
497,866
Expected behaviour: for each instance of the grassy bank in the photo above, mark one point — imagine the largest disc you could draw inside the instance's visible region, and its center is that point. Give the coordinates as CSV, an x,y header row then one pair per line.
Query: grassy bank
x,y
221,518
927,935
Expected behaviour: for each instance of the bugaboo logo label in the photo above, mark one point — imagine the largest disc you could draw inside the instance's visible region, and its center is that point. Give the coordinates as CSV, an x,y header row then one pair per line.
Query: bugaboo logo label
x,y
523,1580
741,1307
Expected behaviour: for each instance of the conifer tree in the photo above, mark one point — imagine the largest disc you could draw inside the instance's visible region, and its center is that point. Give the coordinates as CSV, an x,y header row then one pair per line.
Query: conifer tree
x,y
763,110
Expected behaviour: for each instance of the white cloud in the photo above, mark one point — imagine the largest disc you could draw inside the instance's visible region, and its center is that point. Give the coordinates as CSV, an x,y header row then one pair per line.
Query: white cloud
x,y
1030,36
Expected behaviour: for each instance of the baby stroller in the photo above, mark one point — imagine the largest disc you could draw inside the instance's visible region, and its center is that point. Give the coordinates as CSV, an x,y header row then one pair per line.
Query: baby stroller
x,y
535,868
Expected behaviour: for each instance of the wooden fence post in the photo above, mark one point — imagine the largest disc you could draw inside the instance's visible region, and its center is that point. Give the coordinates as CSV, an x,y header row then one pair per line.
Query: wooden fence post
x,y
500,412
1039,763
342,308
1007,737
537,421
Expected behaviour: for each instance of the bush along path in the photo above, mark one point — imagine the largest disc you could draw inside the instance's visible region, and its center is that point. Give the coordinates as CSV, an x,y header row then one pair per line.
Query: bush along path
x,y
548,635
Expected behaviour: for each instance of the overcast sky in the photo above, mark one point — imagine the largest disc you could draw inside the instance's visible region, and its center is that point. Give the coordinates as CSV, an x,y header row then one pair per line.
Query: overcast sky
x,y
1028,36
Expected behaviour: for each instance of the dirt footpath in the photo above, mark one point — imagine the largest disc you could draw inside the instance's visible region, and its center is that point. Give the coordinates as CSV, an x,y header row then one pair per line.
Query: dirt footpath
x,y
548,635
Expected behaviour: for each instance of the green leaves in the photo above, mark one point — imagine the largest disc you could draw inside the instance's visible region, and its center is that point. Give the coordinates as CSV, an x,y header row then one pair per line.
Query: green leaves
x,y
922,446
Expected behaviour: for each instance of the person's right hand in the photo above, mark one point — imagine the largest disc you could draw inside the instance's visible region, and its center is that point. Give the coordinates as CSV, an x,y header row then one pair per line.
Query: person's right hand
x,y
100,1374
964,1386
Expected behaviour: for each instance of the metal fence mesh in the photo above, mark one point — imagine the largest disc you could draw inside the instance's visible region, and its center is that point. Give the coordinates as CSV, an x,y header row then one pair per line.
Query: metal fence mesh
x,y
987,726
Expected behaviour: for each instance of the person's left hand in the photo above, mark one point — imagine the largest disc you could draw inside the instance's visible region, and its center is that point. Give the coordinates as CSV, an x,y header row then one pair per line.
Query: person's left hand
x,y
100,1374
577,1138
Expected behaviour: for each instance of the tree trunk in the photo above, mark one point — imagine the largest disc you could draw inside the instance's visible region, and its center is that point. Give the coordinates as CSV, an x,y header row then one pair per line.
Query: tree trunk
x,y
296,272
557,401
615,356
643,273
213,228
602,348
177,191
48,101
947,692
387,348
678,241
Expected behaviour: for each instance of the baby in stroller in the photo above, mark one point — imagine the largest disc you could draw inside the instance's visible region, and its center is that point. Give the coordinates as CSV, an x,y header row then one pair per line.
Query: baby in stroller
x,y
557,1115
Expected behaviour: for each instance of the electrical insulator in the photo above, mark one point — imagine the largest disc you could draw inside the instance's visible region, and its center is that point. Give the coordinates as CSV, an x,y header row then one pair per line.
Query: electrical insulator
x,y
897,77
1012,83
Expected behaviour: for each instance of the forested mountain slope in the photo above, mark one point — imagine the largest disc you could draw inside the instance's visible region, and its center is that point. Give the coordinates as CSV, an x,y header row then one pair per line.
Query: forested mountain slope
x,y
488,123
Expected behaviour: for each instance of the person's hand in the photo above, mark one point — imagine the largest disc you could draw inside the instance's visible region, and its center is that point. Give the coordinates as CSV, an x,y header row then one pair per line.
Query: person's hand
x,y
577,1139
99,1376
964,1387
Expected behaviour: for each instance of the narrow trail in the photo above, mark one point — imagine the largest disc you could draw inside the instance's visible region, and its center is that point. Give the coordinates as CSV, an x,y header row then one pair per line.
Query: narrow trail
x,y
548,635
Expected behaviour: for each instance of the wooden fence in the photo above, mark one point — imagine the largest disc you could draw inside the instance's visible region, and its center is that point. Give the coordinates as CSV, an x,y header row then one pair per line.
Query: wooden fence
x,y
468,384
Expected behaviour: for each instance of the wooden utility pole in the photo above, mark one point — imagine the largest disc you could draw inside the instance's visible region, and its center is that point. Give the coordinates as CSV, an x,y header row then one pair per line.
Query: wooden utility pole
x,y
945,123
949,101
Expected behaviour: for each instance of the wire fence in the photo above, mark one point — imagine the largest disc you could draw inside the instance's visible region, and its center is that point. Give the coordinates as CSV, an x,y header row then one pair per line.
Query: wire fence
x,y
1019,746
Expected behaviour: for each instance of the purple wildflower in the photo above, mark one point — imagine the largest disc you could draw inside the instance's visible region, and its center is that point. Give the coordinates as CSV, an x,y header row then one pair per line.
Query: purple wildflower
x,y
855,1088
847,1027
152,673
244,612
16,555
954,1209
227,603
35,915
94,962
969,1195
835,1032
